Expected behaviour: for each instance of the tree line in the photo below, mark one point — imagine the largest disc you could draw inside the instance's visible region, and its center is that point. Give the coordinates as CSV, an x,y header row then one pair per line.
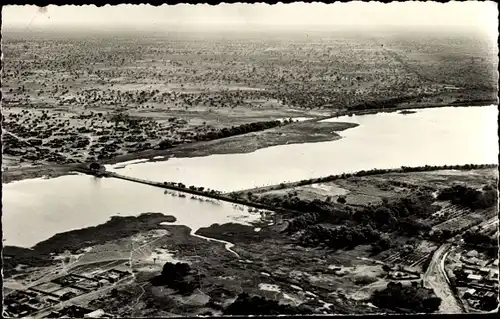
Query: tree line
x,y
378,171
228,132
356,226
385,103
470,197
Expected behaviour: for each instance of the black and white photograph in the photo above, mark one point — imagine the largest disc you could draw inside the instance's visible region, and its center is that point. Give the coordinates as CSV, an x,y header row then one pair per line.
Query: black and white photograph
x,y
249,159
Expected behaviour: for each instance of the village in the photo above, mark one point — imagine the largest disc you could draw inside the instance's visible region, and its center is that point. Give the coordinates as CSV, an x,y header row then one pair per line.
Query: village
x,y
473,272
48,295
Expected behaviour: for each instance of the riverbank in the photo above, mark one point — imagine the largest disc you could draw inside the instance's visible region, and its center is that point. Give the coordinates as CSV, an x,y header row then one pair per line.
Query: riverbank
x,y
372,172
308,131
258,262
263,261
422,105
303,132
77,240
47,171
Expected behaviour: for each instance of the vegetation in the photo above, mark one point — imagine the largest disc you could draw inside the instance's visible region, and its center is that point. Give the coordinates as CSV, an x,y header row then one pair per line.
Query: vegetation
x,y
398,297
481,241
357,225
339,237
84,104
74,240
469,197
245,305
178,276
227,132
376,171
235,233
338,225
478,239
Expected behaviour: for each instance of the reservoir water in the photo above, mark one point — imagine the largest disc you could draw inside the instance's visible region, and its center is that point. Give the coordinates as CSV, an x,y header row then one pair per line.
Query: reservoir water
x,y
34,210
451,135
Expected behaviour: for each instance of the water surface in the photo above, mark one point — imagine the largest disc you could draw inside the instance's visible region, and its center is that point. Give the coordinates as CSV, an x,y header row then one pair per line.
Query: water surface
x,y
34,210
440,136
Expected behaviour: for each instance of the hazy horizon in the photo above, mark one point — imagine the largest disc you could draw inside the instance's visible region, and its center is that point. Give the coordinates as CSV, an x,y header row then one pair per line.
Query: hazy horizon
x,y
470,15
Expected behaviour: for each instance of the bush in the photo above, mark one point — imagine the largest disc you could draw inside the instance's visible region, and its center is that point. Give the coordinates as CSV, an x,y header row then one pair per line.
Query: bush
x,y
364,280
176,276
245,305
397,296
469,197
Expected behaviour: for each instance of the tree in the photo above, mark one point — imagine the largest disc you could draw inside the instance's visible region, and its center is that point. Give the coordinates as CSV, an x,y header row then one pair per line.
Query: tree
x,y
489,303
174,271
397,296
431,304
256,305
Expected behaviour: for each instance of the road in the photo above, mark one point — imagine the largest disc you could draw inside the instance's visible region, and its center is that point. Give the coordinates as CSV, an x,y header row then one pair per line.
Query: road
x,y
216,196
436,279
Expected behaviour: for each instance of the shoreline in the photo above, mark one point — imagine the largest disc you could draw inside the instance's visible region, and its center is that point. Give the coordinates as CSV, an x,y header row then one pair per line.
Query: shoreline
x,y
131,225
198,149
371,172
181,152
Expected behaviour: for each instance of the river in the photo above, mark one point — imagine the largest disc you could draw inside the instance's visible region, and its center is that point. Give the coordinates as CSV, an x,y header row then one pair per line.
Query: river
x,y
439,136
34,210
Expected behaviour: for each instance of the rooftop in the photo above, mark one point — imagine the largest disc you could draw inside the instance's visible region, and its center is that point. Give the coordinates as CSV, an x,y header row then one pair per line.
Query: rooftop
x,y
474,277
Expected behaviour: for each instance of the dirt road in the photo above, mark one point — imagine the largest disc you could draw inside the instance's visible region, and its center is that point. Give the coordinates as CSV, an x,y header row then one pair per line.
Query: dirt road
x,y
435,278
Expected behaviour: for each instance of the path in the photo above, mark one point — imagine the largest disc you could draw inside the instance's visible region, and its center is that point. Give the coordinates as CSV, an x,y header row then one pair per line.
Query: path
x,y
227,244
435,278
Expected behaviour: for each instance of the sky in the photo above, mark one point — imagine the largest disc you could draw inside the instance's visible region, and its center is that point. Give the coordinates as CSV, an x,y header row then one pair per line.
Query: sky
x,y
471,14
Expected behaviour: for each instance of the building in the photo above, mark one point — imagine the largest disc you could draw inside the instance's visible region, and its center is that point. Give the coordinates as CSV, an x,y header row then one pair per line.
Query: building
x,y
472,253
473,277
489,294
470,294
484,271
494,274
94,314
468,271
471,291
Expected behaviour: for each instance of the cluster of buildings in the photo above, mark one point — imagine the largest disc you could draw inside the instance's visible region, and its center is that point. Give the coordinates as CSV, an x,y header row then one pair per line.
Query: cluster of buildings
x,y
74,311
21,304
480,278
24,303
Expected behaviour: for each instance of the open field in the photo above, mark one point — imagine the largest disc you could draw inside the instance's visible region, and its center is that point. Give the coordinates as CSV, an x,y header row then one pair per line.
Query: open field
x,y
373,189
77,98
